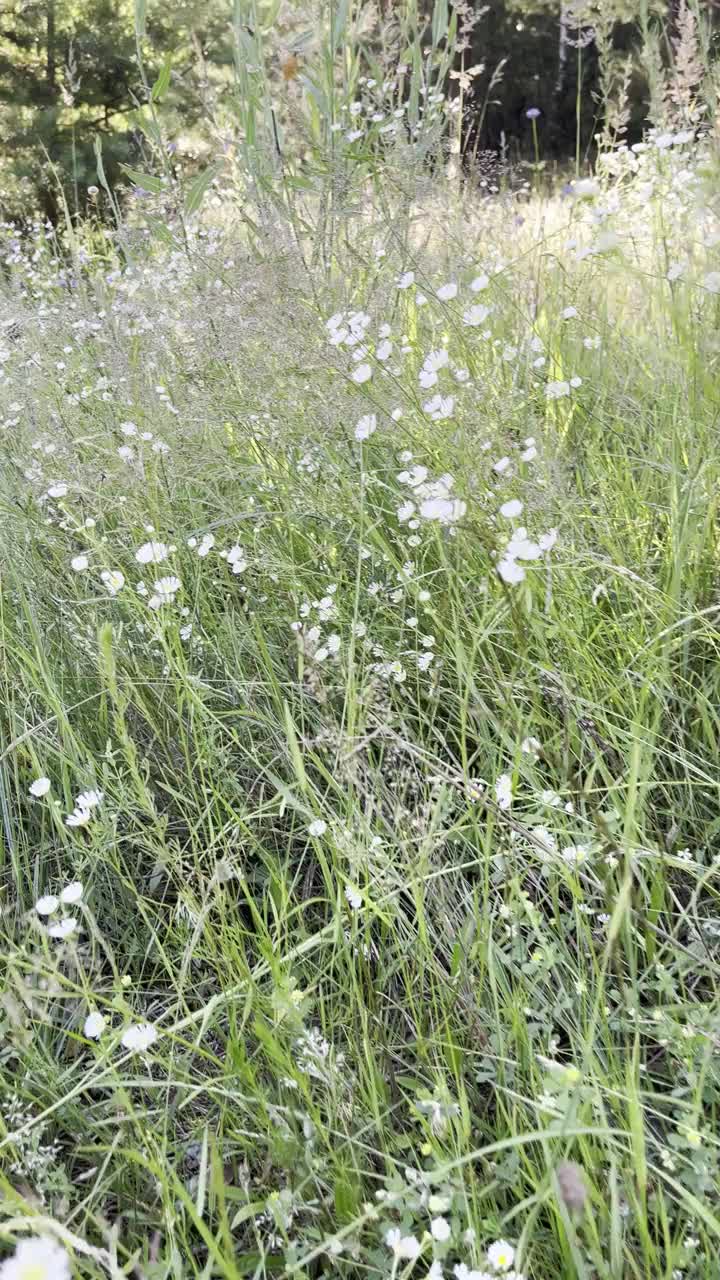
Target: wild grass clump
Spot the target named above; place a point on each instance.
(359, 718)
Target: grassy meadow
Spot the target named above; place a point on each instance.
(360, 710)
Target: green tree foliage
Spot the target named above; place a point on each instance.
(69, 70)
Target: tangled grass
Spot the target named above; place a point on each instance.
(360, 722)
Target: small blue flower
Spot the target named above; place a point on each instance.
(532, 113)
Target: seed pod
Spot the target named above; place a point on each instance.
(290, 66)
(571, 1185)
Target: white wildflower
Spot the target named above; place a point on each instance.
(78, 818)
(503, 791)
(445, 510)
(63, 928)
(94, 1025)
(407, 1247)
(475, 316)
(510, 571)
(501, 1255)
(152, 553)
(37, 1258)
(139, 1037)
(366, 426)
(164, 592)
(72, 892)
(114, 580)
(46, 905)
(236, 559)
(89, 799)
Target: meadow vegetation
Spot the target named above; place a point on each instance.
(361, 697)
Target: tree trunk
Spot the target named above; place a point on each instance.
(50, 42)
(562, 51)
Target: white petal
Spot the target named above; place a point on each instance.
(72, 892)
(45, 906)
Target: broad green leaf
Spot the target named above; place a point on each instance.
(145, 122)
(196, 191)
(162, 83)
(145, 180)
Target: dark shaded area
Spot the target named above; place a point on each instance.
(532, 76)
(543, 60)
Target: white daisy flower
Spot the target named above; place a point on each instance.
(114, 580)
(164, 591)
(152, 553)
(78, 818)
(510, 571)
(47, 904)
(38, 1258)
(501, 1255)
(94, 1025)
(39, 787)
(503, 791)
(475, 316)
(63, 928)
(89, 799)
(72, 892)
(139, 1037)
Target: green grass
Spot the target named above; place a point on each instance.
(421, 1011)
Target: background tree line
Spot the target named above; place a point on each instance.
(69, 72)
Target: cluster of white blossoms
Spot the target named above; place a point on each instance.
(85, 803)
(521, 550)
(136, 1038)
(347, 329)
(430, 500)
(49, 904)
(236, 559)
(407, 1248)
(164, 591)
(557, 390)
